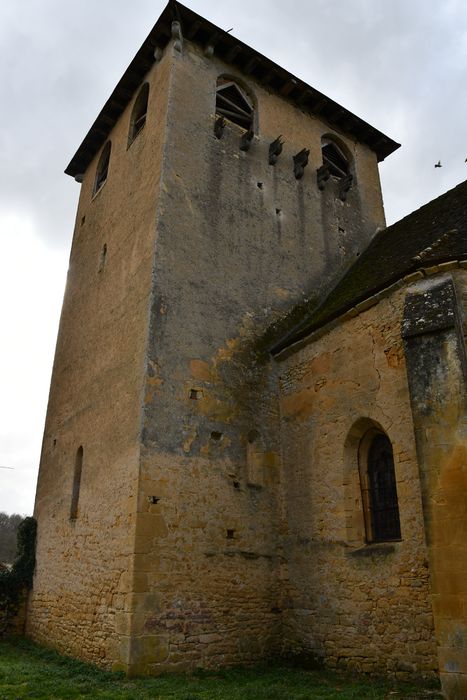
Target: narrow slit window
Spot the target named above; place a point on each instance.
(139, 113)
(102, 168)
(233, 104)
(334, 159)
(76, 484)
(382, 491)
(102, 258)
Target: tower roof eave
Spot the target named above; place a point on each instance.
(235, 52)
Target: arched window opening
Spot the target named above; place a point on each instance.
(233, 104)
(102, 168)
(379, 491)
(334, 159)
(139, 113)
(76, 484)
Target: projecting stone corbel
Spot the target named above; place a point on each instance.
(344, 186)
(275, 149)
(177, 35)
(219, 127)
(210, 46)
(300, 161)
(323, 174)
(245, 141)
(158, 53)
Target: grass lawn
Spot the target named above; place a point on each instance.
(29, 671)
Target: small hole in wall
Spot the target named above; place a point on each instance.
(102, 258)
(341, 230)
(259, 185)
(278, 211)
(252, 436)
(153, 500)
(55, 441)
(230, 534)
(83, 219)
(215, 435)
(236, 485)
(196, 394)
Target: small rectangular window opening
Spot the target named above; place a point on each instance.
(196, 394)
(76, 484)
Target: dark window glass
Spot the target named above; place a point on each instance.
(384, 508)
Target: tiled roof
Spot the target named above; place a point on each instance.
(435, 233)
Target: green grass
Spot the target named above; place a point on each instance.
(29, 671)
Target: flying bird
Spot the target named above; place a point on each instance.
(438, 164)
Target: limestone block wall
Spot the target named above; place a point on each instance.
(81, 599)
(352, 605)
(239, 242)
(435, 351)
(207, 568)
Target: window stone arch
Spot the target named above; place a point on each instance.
(139, 113)
(235, 103)
(359, 522)
(102, 170)
(379, 488)
(337, 165)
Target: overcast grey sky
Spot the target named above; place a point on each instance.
(398, 64)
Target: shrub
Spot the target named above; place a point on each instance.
(14, 583)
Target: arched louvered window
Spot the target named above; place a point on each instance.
(334, 158)
(383, 518)
(233, 104)
(76, 484)
(138, 115)
(102, 168)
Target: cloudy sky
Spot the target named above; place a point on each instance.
(398, 64)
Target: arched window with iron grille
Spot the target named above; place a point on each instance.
(383, 523)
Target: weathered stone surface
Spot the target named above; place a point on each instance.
(436, 361)
(358, 606)
(220, 516)
(84, 572)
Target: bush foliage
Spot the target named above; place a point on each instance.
(16, 581)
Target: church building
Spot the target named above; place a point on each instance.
(256, 437)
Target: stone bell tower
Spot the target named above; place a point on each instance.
(217, 192)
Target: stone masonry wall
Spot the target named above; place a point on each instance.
(437, 370)
(82, 596)
(349, 604)
(239, 242)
